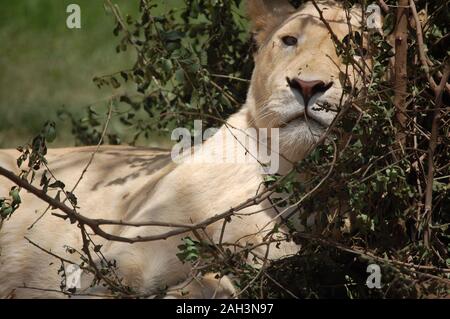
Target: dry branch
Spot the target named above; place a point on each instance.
(431, 151)
(400, 69)
(95, 224)
(421, 46)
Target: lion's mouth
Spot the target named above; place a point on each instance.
(292, 118)
(317, 114)
(305, 118)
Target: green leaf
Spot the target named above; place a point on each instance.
(49, 131)
(57, 184)
(72, 198)
(14, 193)
(97, 248)
(6, 212)
(179, 76)
(166, 65)
(172, 35)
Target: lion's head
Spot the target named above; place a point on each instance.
(297, 83)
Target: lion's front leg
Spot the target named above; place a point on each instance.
(209, 286)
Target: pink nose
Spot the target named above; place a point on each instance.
(308, 88)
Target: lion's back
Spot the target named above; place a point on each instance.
(113, 185)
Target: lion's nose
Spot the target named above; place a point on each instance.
(308, 88)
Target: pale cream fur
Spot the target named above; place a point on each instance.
(138, 184)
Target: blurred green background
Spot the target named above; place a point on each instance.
(44, 66)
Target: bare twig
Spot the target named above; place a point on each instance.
(431, 150)
(383, 6)
(280, 286)
(50, 253)
(67, 293)
(100, 142)
(421, 46)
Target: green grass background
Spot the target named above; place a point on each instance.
(45, 66)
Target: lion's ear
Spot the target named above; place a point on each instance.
(266, 15)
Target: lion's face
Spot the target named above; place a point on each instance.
(297, 84)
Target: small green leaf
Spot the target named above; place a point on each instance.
(14, 193)
(57, 184)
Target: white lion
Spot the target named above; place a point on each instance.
(297, 68)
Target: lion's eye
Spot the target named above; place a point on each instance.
(289, 40)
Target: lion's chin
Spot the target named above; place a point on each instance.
(298, 137)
